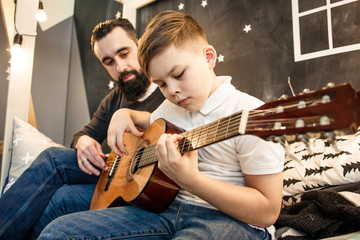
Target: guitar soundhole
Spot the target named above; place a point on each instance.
(136, 160)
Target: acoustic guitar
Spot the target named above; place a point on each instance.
(136, 180)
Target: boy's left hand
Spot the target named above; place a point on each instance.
(182, 169)
(121, 122)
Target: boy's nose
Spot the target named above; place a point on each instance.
(173, 89)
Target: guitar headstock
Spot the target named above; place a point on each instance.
(334, 110)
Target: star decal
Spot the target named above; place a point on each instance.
(111, 84)
(181, 6)
(221, 58)
(118, 14)
(247, 28)
(17, 139)
(27, 158)
(204, 3)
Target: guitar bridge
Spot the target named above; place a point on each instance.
(112, 171)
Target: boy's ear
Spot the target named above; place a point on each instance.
(210, 54)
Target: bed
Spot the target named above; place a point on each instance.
(317, 177)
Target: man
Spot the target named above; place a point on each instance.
(62, 180)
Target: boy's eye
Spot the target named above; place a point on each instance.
(179, 76)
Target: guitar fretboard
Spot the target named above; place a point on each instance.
(213, 132)
(210, 133)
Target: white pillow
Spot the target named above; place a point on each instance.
(27, 144)
(324, 167)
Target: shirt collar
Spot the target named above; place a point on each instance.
(149, 91)
(218, 97)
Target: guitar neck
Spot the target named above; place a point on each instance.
(210, 133)
(213, 132)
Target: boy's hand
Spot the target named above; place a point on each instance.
(89, 152)
(182, 169)
(120, 123)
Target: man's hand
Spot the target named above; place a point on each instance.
(89, 153)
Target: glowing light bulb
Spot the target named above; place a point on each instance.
(15, 49)
(41, 15)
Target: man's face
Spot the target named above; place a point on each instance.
(118, 54)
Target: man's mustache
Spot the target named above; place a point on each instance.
(125, 73)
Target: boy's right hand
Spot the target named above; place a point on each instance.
(121, 122)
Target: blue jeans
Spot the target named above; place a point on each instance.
(52, 186)
(182, 220)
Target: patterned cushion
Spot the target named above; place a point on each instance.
(28, 143)
(304, 171)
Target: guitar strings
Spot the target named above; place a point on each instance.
(149, 158)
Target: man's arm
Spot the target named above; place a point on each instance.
(88, 140)
(99, 123)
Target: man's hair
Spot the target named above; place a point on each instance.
(103, 28)
(167, 28)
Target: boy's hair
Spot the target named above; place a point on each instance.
(103, 28)
(166, 28)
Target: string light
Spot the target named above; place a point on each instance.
(16, 47)
(41, 15)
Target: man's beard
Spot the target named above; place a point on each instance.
(134, 89)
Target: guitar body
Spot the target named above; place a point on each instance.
(148, 187)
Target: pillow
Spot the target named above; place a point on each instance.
(304, 171)
(27, 144)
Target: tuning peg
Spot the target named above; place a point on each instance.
(305, 139)
(306, 90)
(330, 136)
(330, 85)
(284, 96)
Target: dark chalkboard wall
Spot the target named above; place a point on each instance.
(261, 60)
(88, 13)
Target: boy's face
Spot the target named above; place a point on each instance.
(118, 54)
(185, 75)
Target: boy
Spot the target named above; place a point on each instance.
(228, 190)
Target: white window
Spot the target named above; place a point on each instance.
(330, 34)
